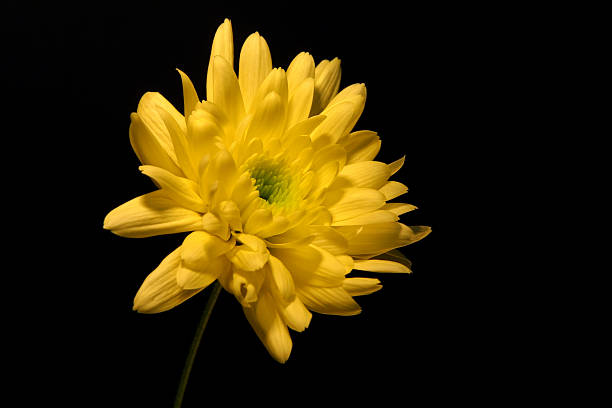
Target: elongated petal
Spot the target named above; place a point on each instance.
(180, 145)
(270, 327)
(223, 45)
(327, 83)
(393, 189)
(276, 82)
(355, 93)
(399, 208)
(227, 93)
(190, 96)
(278, 225)
(182, 190)
(148, 148)
(396, 165)
(347, 93)
(203, 134)
(160, 292)
(300, 102)
(269, 118)
(379, 238)
(379, 265)
(282, 279)
(260, 218)
(348, 203)
(254, 66)
(336, 124)
(361, 286)
(334, 301)
(149, 108)
(299, 69)
(151, 214)
(367, 174)
(305, 127)
(328, 239)
(374, 217)
(395, 256)
(188, 278)
(311, 265)
(361, 146)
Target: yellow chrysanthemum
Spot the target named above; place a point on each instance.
(281, 200)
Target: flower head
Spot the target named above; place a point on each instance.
(280, 198)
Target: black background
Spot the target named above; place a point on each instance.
(432, 74)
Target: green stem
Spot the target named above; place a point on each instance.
(195, 343)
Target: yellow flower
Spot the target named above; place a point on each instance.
(280, 199)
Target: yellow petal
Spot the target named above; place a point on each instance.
(227, 91)
(355, 93)
(366, 174)
(258, 220)
(254, 66)
(361, 146)
(300, 102)
(278, 225)
(200, 247)
(203, 134)
(282, 279)
(270, 328)
(347, 93)
(189, 278)
(305, 127)
(328, 239)
(180, 145)
(379, 238)
(336, 124)
(216, 226)
(151, 214)
(299, 69)
(160, 292)
(399, 208)
(396, 165)
(148, 148)
(327, 154)
(269, 118)
(334, 301)
(190, 96)
(374, 217)
(361, 286)
(296, 315)
(327, 83)
(324, 177)
(251, 255)
(276, 81)
(228, 211)
(149, 108)
(311, 265)
(182, 190)
(223, 45)
(243, 187)
(379, 265)
(350, 202)
(396, 256)
(393, 189)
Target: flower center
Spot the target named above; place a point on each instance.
(273, 180)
